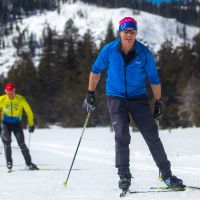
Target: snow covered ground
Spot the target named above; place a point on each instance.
(94, 176)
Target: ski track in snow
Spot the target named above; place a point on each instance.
(94, 176)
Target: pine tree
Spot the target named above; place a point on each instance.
(109, 33)
(70, 83)
(196, 75)
(168, 70)
(46, 70)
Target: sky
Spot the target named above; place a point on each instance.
(159, 1)
(153, 30)
(94, 176)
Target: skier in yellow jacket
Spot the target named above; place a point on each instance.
(12, 106)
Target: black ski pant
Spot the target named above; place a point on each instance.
(141, 114)
(19, 135)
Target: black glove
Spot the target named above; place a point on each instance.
(89, 103)
(158, 110)
(31, 129)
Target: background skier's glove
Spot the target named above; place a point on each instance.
(31, 129)
(158, 110)
(89, 103)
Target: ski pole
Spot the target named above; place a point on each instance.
(1, 146)
(1, 140)
(84, 127)
(159, 172)
(29, 140)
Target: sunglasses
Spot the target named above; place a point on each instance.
(131, 31)
(9, 90)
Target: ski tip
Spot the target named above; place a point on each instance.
(65, 184)
(123, 193)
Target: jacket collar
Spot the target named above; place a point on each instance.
(136, 47)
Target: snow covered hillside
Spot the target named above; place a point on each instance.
(94, 176)
(153, 29)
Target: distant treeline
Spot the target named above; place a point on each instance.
(12, 11)
(57, 86)
(185, 11)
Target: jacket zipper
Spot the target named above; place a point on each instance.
(11, 108)
(125, 67)
(125, 82)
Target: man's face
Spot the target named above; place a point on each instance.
(128, 36)
(10, 93)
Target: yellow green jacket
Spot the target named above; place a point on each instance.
(12, 109)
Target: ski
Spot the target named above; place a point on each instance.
(155, 190)
(168, 188)
(178, 189)
(14, 170)
(10, 170)
(123, 193)
(193, 187)
(43, 169)
(59, 169)
(51, 169)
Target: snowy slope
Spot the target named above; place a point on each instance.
(153, 29)
(94, 176)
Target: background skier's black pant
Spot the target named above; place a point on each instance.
(19, 134)
(142, 116)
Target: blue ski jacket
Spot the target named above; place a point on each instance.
(126, 81)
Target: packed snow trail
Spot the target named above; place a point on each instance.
(94, 176)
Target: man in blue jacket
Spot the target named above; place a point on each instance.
(128, 64)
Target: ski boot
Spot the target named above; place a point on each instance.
(125, 183)
(174, 182)
(9, 165)
(32, 166)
